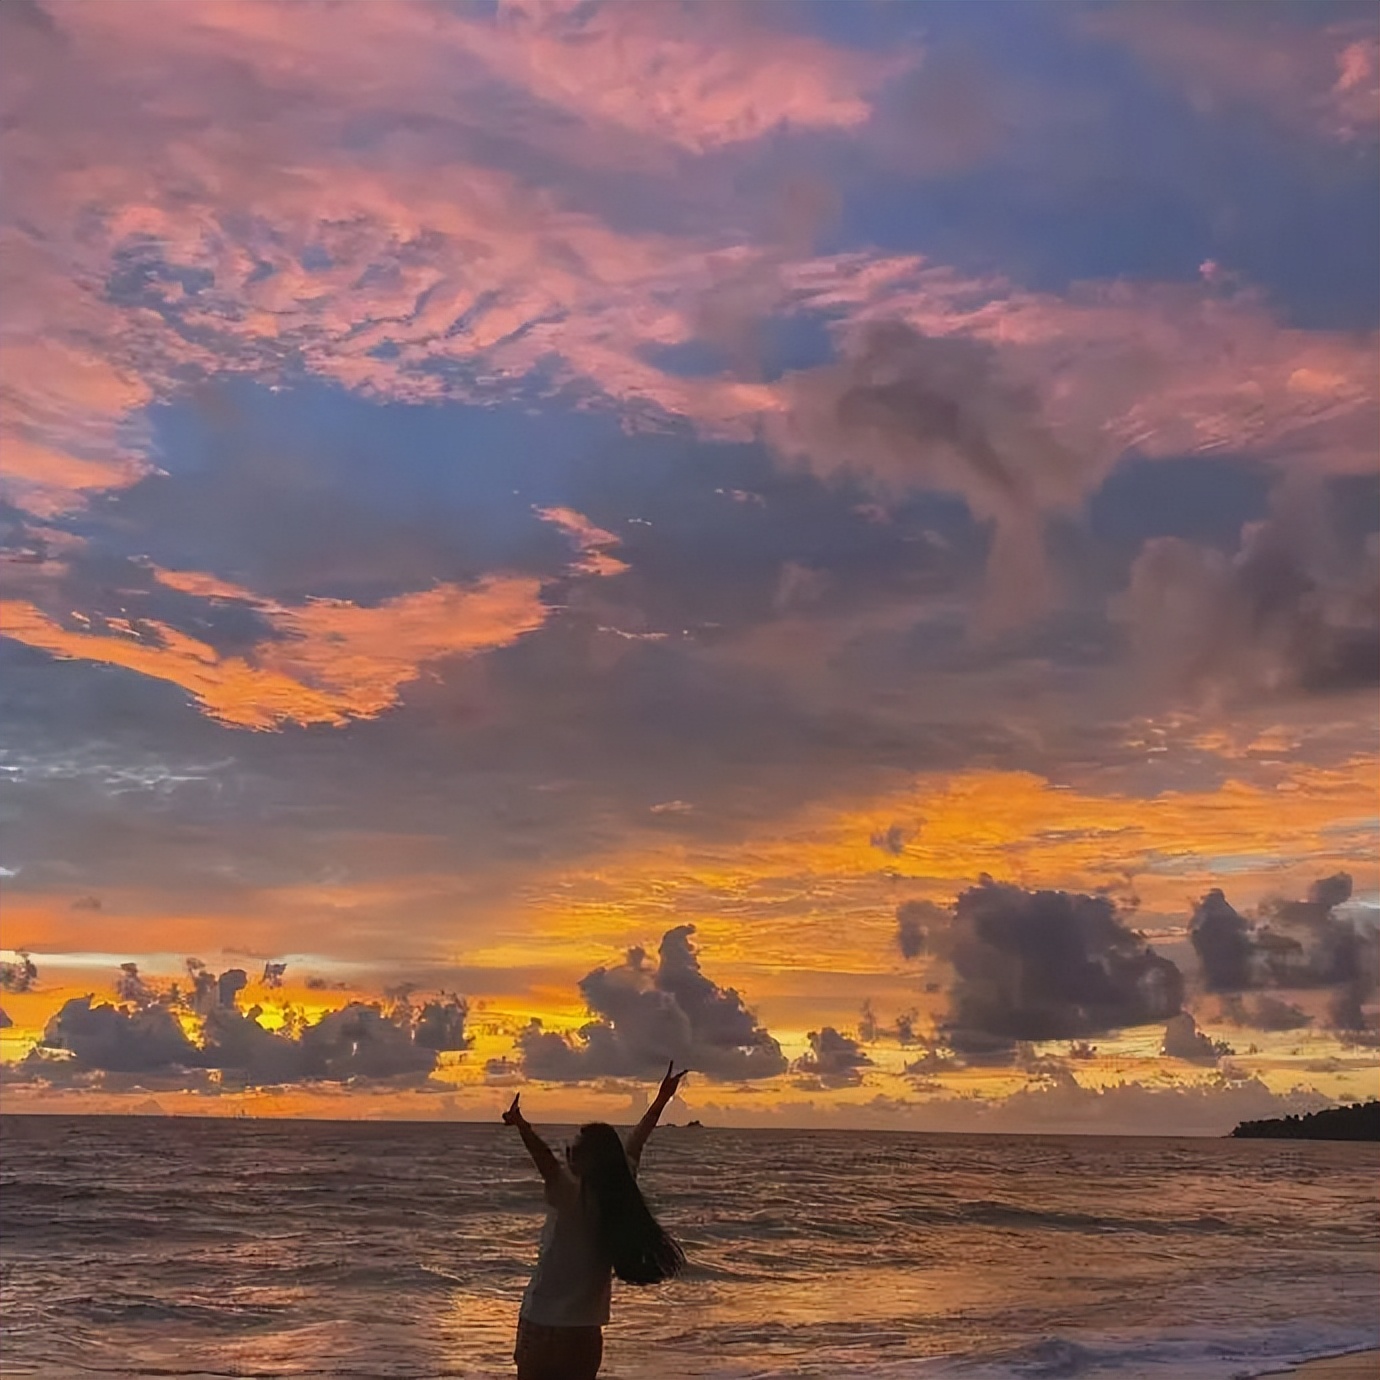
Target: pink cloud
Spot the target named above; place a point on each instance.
(208, 142)
(1159, 368)
(696, 75)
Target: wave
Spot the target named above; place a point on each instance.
(138, 1308)
(997, 1214)
(1180, 1355)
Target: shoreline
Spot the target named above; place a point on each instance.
(1354, 1365)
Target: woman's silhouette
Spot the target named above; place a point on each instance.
(597, 1226)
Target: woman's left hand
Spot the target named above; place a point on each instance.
(513, 1116)
(671, 1083)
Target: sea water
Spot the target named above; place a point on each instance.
(189, 1248)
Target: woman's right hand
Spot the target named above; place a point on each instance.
(513, 1116)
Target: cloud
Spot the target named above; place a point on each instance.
(1128, 1108)
(1047, 965)
(1222, 940)
(440, 1025)
(120, 1040)
(1266, 1012)
(1322, 79)
(353, 223)
(328, 661)
(1294, 945)
(1158, 369)
(18, 976)
(908, 411)
(1290, 611)
(928, 411)
(697, 76)
(835, 1060)
(590, 541)
(645, 1016)
(5, 1021)
(358, 1041)
(1270, 1013)
(162, 1030)
(892, 840)
(914, 922)
(131, 988)
(1183, 1040)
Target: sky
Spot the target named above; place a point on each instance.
(837, 544)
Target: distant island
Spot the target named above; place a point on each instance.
(1360, 1121)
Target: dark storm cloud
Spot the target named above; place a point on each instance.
(1296, 608)
(835, 1060)
(1295, 944)
(1047, 965)
(5, 1021)
(19, 976)
(645, 1015)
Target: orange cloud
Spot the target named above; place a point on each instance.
(331, 661)
(590, 541)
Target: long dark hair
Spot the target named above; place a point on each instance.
(635, 1243)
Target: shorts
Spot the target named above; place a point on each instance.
(557, 1353)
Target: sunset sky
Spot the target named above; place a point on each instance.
(802, 538)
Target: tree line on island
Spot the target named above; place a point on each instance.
(1360, 1121)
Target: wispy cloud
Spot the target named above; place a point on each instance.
(328, 661)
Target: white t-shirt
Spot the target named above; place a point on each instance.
(572, 1285)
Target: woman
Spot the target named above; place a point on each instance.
(597, 1226)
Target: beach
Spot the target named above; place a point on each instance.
(1361, 1365)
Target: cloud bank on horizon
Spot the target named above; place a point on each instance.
(484, 490)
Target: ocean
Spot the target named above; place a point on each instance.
(195, 1248)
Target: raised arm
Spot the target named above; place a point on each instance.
(547, 1163)
(644, 1128)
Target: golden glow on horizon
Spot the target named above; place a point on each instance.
(821, 894)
